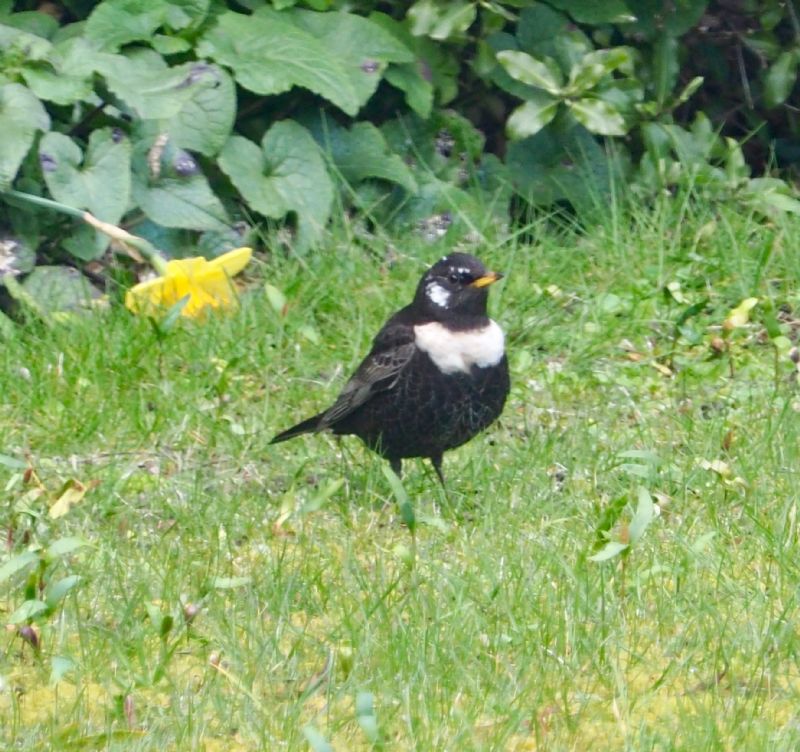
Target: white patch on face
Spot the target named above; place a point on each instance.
(454, 352)
(437, 294)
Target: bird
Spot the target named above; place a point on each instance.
(435, 376)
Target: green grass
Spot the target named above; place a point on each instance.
(491, 629)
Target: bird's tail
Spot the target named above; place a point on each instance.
(307, 426)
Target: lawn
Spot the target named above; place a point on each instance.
(613, 567)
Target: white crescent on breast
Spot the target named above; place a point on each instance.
(454, 352)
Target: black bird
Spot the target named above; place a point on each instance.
(435, 377)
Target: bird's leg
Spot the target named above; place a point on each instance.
(397, 466)
(436, 461)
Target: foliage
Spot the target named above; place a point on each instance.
(190, 123)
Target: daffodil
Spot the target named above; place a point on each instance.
(207, 284)
(203, 284)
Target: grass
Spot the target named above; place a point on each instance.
(204, 590)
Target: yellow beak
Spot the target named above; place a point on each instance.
(487, 279)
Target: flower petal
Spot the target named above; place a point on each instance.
(233, 261)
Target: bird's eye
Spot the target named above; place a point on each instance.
(460, 277)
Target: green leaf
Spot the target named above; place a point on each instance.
(12, 462)
(56, 592)
(21, 117)
(362, 152)
(527, 69)
(595, 13)
(204, 119)
(153, 90)
(597, 65)
(317, 501)
(365, 715)
(277, 300)
(59, 288)
(230, 583)
(269, 54)
(18, 563)
(411, 81)
(416, 78)
(66, 77)
(363, 48)
(609, 551)
(556, 165)
(59, 667)
(114, 23)
(286, 174)
(598, 116)
(441, 20)
(99, 182)
(180, 201)
(27, 611)
(644, 515)
(533, 115)
(64, 546)
(316, 740)
(666, 66)
(402, 499)
(780, 79)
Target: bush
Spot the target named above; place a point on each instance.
(189, 122)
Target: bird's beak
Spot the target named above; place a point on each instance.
(487, 279)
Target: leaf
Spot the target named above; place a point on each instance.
(99, 181)
(595, 13)
(362, 152)
(441, 20)
(71, 494)
(561, 166)
(173, 200)
(527, 69)
(609, 551)
(56, 592)
(598, 116)
(316, 740)
(64, 546)
(21, 117)
(152, 89)
(12, 462)
(365, 715)
(17, 564)
(66, 77)
(59, 288)
(230, 583)
(269, 54)
(597, 65)
(286, 174)
(644, 515)
(59, 667)
(363, 48)
(27, 611)
(739, 316)
(317, 501)
(410, 80)
(205, 118)
(402, 499)
(114, 23)
(780, 79)
(531, 116)
(277, 300)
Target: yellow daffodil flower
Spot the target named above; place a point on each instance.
(207, 283)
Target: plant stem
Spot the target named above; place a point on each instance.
(136, 246)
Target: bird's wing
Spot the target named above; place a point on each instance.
(391, 352)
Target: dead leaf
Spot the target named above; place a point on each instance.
(70, 494)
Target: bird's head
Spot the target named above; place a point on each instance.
(455, 286)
